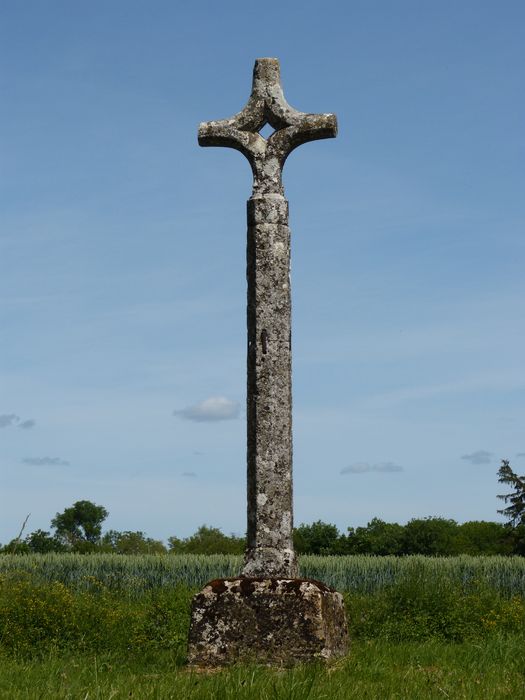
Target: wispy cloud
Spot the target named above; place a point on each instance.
(189, 475)
(27, 424)
(11, 420)
(365, 467)
(479, 457)
(8, 419)
(46, 462)
(520, 454)
(215, 408)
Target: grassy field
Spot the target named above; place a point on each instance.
(375, 670)
(110, 626)
(133, 575)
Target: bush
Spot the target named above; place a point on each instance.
(37, 617)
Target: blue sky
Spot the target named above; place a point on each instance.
(122, 259)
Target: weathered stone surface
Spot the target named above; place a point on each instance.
(268, 615)
(266, 620)
(269, 393)
(269, 404)
(267, 105)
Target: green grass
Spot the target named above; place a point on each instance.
(374, 670)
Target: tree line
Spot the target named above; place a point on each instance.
(79, 529)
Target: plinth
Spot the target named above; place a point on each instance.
(272, 621)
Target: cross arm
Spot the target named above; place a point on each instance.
(304, 128)
(227, 132)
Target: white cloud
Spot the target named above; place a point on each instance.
(364, 467)
(189, 475)
(479, 457)
(213, 409)
(46, 462)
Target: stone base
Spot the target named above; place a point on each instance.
(266, 620)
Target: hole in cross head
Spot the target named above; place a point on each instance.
(266, 131)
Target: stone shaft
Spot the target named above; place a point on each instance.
(269, 391)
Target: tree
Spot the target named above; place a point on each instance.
(129, 542)
(378, 537)
(515, 512)
(16, 546)
(317, 538)
(80, 525)
(40, 541)
(207, 540)
(431, 536)
(478, 537)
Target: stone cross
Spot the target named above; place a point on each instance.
(267, 614)
(270, 551)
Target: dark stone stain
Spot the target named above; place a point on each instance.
(245, 584)
(264, 340)
(217, 585)
(293, 586)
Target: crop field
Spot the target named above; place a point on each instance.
(133, 575)
(114, 626)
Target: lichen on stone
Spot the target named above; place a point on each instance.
(266, 620)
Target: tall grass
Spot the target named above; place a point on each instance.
(134, 575)
(368, 574)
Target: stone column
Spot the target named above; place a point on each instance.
(269, 392)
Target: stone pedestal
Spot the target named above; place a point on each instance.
(266, 620)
